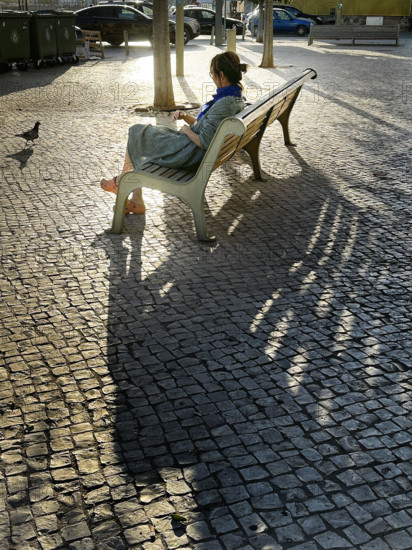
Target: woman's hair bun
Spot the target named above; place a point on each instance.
(228, 63)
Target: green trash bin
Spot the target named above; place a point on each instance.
(14, 38)
(43, 42)
(66, 36)
(65, 33)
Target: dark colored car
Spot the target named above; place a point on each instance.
(206, 19)
(297, 13)
(283, 22)
(191, 27)
(112, 19)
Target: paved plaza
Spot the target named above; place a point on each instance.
(255, 394)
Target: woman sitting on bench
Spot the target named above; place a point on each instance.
(184, 148)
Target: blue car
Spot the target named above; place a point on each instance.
(283, 22)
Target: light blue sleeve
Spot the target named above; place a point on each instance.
(209, 123)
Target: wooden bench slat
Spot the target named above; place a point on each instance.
(276, 112)
(247, 138)
(285, 105)
(254, 127)
(252, 130)
(229, 142)
(184, 175)
(151, 168)
(229, 146)
(225, 156)
(227, 149)
(255, 122)
(221, 161)
(177, 174)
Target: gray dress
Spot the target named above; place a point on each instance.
(167, 147)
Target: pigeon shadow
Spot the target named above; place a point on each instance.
(22, 156)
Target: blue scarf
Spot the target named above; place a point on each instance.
(232, 89)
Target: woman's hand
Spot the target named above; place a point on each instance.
(178, 115)
(190, 134)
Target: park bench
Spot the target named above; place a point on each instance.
(243, 131)
(354, 32)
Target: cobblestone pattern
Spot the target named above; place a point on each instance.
(260, 388)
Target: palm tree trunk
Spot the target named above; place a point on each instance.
(163, 86)
(267, 59)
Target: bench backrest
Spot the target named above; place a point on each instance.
(236, 132)
(354, 32)
(390, 31)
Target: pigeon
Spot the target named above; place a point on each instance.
(30, 135)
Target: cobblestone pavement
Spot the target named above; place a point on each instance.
(259, 388)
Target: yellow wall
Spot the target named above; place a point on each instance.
(355, 7)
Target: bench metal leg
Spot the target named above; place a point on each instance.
(119, 210)
(200, 221)
(284, 118)
(253, 149)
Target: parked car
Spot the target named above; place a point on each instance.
(206, 19)
(297, 13)
(283, 22)
(191, 27)
(112, 19)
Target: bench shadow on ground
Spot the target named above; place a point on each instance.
(209, 344)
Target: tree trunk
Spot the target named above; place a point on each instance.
(163, 86)
(267, 59)
(259, 35)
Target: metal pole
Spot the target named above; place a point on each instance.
(212, 36)
(218, 24)
(179, 38)
(224, 20)
(339, 14)
(126, 42)
(231, 40)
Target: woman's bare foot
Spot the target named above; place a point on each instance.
(136, 204)
(109, 185)
(132, 208)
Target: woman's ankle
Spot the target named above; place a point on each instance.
(137, 203)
